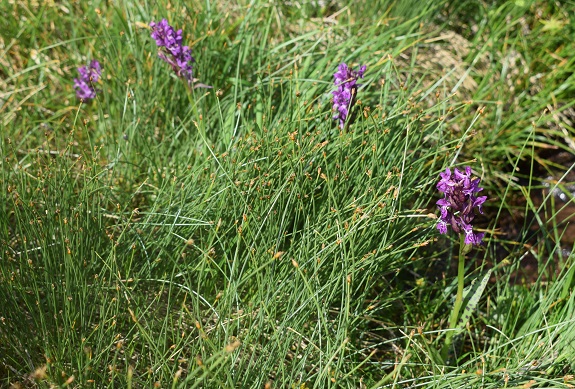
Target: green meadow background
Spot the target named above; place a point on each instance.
(236, 237)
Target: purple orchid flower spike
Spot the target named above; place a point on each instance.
(172, 51)
(458, 204)
(89, 76)
(344, 95)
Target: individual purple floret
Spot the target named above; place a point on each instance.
(344, 96)
(89, 76)
(456, 208)
(172, 51)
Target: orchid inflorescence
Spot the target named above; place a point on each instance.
(172, 50)
(458, 204)
(89, 76)
(344, 95)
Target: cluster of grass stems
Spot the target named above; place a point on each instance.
(236, 237)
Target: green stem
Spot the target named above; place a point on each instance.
(458, 297)
(460, 274)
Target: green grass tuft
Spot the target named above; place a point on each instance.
(236, 237)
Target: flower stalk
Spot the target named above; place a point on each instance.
(459, 295)
(457, 210)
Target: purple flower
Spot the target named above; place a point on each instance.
(171, 49)
(344, 95)
(457, 206)
(89, 76)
